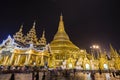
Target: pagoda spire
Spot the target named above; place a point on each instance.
(21, 27)
(34, 23)
(19, 35)
(31, 37)
(43, 35)
(61, 17)
(61, 34)
(112, 52)
(61, 24)
(42, 40)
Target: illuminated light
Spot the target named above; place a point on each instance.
(81, 50)
(70, 65)
(16, 51)
(105, 66)
(30, 51)
(64, 63)
(87, 67)
(91, 47)
(95, 47)
(34, 63)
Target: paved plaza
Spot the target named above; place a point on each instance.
(60, 75)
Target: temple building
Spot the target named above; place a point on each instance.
(24, 50)
(30, 50)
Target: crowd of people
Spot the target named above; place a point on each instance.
(9, 69)
(53, 72)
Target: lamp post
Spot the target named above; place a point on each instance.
(95, 50)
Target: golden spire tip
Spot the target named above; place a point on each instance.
(21, 27)
(61, 17)
(43, 35)
(34, 23)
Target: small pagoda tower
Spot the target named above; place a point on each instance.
(31, 37)
(42, 40)
(18, 37)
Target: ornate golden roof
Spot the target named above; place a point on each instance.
(42, 40)
(19, 35)
(61, 41)
(31, 37)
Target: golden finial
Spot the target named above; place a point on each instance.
(21, 28)
(61, 24)
(34, 23)
(61, 17)
(42, 40)
(19, 35)
(112, 51)
(43, 35)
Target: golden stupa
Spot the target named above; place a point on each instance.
(62, 48)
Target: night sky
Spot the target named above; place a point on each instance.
(86, 21)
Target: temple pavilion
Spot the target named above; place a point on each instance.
(29, 50)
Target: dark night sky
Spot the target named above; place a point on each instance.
(86, 21)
